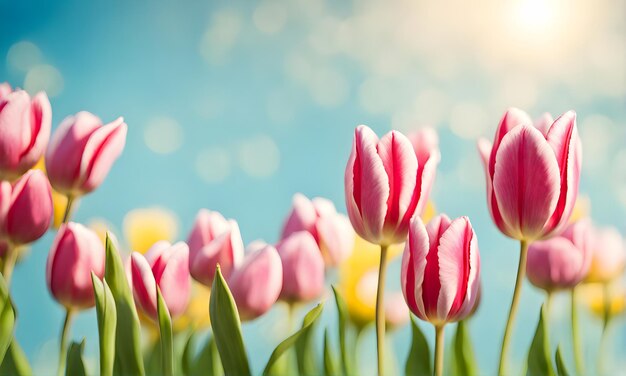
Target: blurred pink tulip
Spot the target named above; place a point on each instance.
(608, 258)
(257, 283)
(76, 252)
(303, 268)
(82, 151)
(164, 266)
(332, 231)
(386, 183)
(396, 311)
(440, 272)
(24, 131)
(25, 208)
(563, 261)
(213, 240)
(532, 174)
(5, 89)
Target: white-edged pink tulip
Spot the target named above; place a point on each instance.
(332, 231)
(25, 208)
(386, 184)
(212, 241)
(532, 174)
(75, 253)
(257, 283)
(164, 266)
(440, 272)
(608, 259)
(24, 130)
(82, 152)
(303, 268)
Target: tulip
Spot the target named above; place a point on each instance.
(332, 231)
(24, 131)
(440, 273)
(212, 241)
(532, 173)
(164, 266)
(82, 151)
(387, 182)
(608, 257)
(303, 268)
(5, 89)
(396, 311)
(257, 283)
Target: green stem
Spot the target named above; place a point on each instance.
(578, 359)
(10, 258)
(380, 310)
(68, 209)
(439, 350)
(549, 297)
(506, 340)
(63, 342)
(602, 350)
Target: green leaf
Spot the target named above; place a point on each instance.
(285, 345)
(128, 360)
(464, 359)
(207, 361)
(15, 362)
(165, 330)
(107, 322)
(418, 360)
(75, 365)
(560, 364)
(227, 328)
(539, 359)
(7, 318)
(305, 354)
(330, 363)
(187, 357)
(342, 317)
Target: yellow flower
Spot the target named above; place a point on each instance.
(144, 227)
(593, 297)
(59, 201)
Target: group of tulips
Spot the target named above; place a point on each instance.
(532, 173)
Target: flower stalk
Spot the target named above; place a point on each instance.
(380, 310)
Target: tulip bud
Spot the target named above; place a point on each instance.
(332, 231)
(24, 131)
(82, 152)
(385, 185)
(440, 272)
(214, 240)
(256, 284)
(556, 264)
(303, 268)
(5, 89)
(25, 208)
(75, 253)
(608, 258)
(532, 174)
(164, 266)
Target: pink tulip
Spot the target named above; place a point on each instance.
(213, 240)
(563, 261)
(75, 253)
(440, 272)
(532, 174)
(608, 258)
(164, 266)
(5, 89)
(303, 268)
(386, 184)
(25, 208)
(396, 311)
(82, 152)
(24, 131)
(256, 284)
(332, 231)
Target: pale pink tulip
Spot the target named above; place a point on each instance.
(164, 266)
(212, 241)
(440, 272)
(532, 174)
(82, 152)
(76, 252)
(303, 268)
(5, 89)
(24, 131)
(25, 208)
(332, 231)
(396, 311)
(257, 283)
(608, 258)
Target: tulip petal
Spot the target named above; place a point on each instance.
(303, 267)
(301, 218)
(15, 132)
(544, 123)
(174, 280)
(31, 208)
(225, 250)
(426, 145)
(102, 149)
(207, 226)
(336, 238)
(511, 119)
(413, 266)
(526, 182)
(432, 285)
(144, 285)
(40, 122)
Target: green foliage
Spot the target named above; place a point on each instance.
(330, 363)
(128, 360)
(75, 364)
(539, 359)
(463, 357)
(107, 322)
(342, 312)
(418, 360)
(165, 337)
(285, 345)
(15, 362)
(560, 364)
(7, 318)
(227, 328)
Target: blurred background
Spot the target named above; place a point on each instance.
(236, 106)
